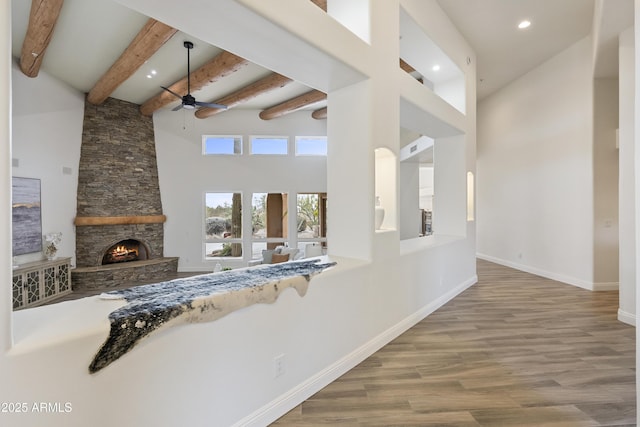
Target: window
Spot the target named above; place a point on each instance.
(223, 225)
(311, 145)
(221, 145)
(311, 220)
(270, 145)
(268, 221)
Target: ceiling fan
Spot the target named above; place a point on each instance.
(188, 101)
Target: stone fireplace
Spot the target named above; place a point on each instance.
(119, 220)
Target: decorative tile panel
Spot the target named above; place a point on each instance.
(49, 281)
(32, 286)
(18, 294)
(64, 284)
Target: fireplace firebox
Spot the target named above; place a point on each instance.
(125, 251)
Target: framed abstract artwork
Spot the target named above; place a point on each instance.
(26, 216)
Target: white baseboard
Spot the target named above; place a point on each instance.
(628, 318)
(591, 286)
(281, 405)
(606, 286)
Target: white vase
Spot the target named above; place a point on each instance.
(379, 213)
(50, 251)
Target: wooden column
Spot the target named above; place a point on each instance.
(236, 224)
(274, 217)
(285, 217)
(322, 214)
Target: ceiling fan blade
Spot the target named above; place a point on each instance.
(211, 105)
(177, 108)
(171, 92)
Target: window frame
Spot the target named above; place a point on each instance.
(221, 240)
(317, 137)
(286, 139)
(237, 142)
(322, 218)
(273, 241)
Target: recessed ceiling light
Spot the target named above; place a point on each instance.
(436, 68)
(154, 72)
(149, 76)
(524, 24)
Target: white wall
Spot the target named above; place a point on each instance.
(453, 91)
(535, 172)
(49, 151)
(353, 14)
(426, 187)
(450, 186)
(627, 189)
(222, 372)
(410, 219)
(186, 175)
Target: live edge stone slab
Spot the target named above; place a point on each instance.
(197, 299)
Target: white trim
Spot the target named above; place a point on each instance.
(628, 318)
(284, 138)
(606, 286)
(299, 137)
(237, 139)
(289, 400)
(590, 286)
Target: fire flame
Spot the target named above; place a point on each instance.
(123, 250)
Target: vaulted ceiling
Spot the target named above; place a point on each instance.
(77, 42)
(505, 52)
(103, 48)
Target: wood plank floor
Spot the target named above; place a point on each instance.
(513, 350)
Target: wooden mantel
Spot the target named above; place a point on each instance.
(119, 220)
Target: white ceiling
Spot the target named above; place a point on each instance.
(504, 52)
(91, 34)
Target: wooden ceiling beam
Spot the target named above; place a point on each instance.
(406, 67)
(264, 85)
(409, 69)
(151, 37)
(322, 4)
(42, 21)
(293, 104)
(220, 66)
(320, 114)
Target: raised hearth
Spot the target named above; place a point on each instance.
(109, 276)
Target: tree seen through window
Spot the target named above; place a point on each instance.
(223, 224)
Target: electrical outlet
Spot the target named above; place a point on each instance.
(278, 365)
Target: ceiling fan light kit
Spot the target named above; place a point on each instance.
(188, 101)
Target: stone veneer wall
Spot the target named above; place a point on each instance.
(117, 176)
(93, 240)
